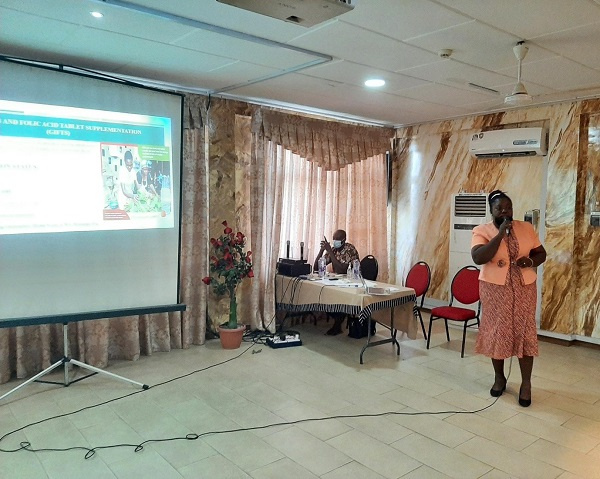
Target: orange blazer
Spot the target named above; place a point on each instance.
(495, 270)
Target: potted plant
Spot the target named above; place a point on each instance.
(229, 265)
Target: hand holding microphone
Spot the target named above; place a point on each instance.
(506, 226)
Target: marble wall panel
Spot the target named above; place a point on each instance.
(558, 305)
(430, 167)
(431, 162)
(587, 240)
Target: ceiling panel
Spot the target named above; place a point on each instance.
(125, 49)
(72, 14)
(22, 29)
(560, 73)
(398, 40)
(368, 48)
(568, 44)
(403, 19)
(531, 18)
(455, 73)
(355, 74)
(444, 95)
(480, 45)
(279, 57)
(235, 73)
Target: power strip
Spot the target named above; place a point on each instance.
(284, 340)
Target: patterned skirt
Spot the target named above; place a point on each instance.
(507, 327)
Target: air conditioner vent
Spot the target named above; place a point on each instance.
(471, 206)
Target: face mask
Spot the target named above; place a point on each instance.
(337, 244)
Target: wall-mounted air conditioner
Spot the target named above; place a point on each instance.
(510, 142)
(301, 12)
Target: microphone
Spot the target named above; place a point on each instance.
(287, 253)
(301, 250)
(508, 218)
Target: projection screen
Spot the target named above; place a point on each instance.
(90, 176)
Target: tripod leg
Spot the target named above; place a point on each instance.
(34, 378)
(101, 371)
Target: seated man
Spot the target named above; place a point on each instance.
(339, 256)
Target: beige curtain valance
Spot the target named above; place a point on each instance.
(330, 144)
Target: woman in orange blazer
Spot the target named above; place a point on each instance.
(508, 251)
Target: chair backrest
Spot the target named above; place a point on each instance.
(369, 267)
(419, 278)
(465, 285)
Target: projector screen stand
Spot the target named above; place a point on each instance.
(65, 361)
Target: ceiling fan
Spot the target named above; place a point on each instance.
(519, 95)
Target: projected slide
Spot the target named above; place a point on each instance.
(74, 169)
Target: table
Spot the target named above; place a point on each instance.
(335, 294)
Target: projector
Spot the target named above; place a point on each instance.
(301, 12)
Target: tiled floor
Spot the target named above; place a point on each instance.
(557, 437)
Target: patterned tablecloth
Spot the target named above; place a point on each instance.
(393, 309)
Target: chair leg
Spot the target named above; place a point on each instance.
(429, 335)
(418, 314)
(447, 332)
(462, 351)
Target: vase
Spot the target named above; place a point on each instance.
(231, 338)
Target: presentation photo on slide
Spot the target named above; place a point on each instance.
(75, 169)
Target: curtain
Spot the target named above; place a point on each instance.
(332, 145)
(317, 202)
(265, 219)
(27, 350)
(329, 148)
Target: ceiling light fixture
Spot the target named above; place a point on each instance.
(96, 14)
(375, 83)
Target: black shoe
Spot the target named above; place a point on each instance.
(524, 402)
(497, 392)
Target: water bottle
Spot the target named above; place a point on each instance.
(350, 273)
(322, 266)
(356, 269)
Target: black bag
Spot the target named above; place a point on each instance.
(359, 329)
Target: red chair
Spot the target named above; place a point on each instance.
(419, 278)
(465, 288)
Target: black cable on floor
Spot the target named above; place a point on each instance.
(109, 401)
(90, 452)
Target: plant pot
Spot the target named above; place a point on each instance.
(231, 338)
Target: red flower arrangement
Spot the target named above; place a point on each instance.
(229, 265)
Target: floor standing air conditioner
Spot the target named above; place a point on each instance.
(467, 211)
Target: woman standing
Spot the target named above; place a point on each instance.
(508, 252)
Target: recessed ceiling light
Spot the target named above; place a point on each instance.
(96, 14)
(375, 82)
